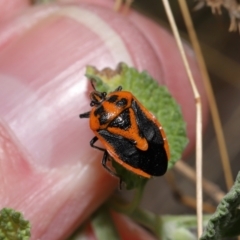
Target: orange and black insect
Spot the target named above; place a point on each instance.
(130, 134)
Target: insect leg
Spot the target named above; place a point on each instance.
(94, 146)
(105, 159)
(85, 115)
(104, 163)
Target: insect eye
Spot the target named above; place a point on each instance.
(92, 103)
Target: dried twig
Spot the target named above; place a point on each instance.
(211, 99)
(198, 116)
(119, 3)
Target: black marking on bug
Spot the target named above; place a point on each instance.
(122, 102)
(103, 115)
(154, 160)
(122, 121)
(142, 122)
(113, 98)
(104, 118)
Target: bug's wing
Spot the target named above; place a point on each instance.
(147, 127)
(152, 161)
(150, 130)
(120, 146)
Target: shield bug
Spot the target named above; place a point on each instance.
(130, 134)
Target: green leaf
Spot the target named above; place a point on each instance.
(169, 227)
(155, 98)
(13, 226)
(180, 227)
(131, 179)
(225, 221)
